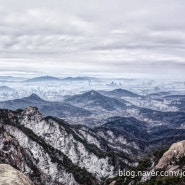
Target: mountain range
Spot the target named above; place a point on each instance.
(94, 99)
(56, 79)
(88, 136)
(50, 151)
(58, 109)
(79, 78)
(43, 79)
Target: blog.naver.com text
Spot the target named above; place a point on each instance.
(153, 173)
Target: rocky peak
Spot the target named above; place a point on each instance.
(32, 113)
(33, 97)
(7, 113)
(171, 158)
(92, 94)
(10, 176)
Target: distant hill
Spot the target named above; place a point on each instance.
(58, 109)
(5, 88)
(11, 78)
(119, 93)
(79, 78)
(158, 94)
(178, 101)
(174, 97)
(43, 79)
(175, 119)
(94, 99)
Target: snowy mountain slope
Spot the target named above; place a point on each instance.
(12, 152)
(137, 137)
(124, 134)
(55, 150)
(51, 152)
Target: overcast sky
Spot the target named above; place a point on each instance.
(81, 37)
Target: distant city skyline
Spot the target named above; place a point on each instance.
(123, 38)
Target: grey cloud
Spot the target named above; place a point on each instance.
(92, 35)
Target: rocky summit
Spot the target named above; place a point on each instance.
(11, 176)
(171, 159)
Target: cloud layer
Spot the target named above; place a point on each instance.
(120, 36)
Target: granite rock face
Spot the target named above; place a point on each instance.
(171, 159)
(11, 176)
